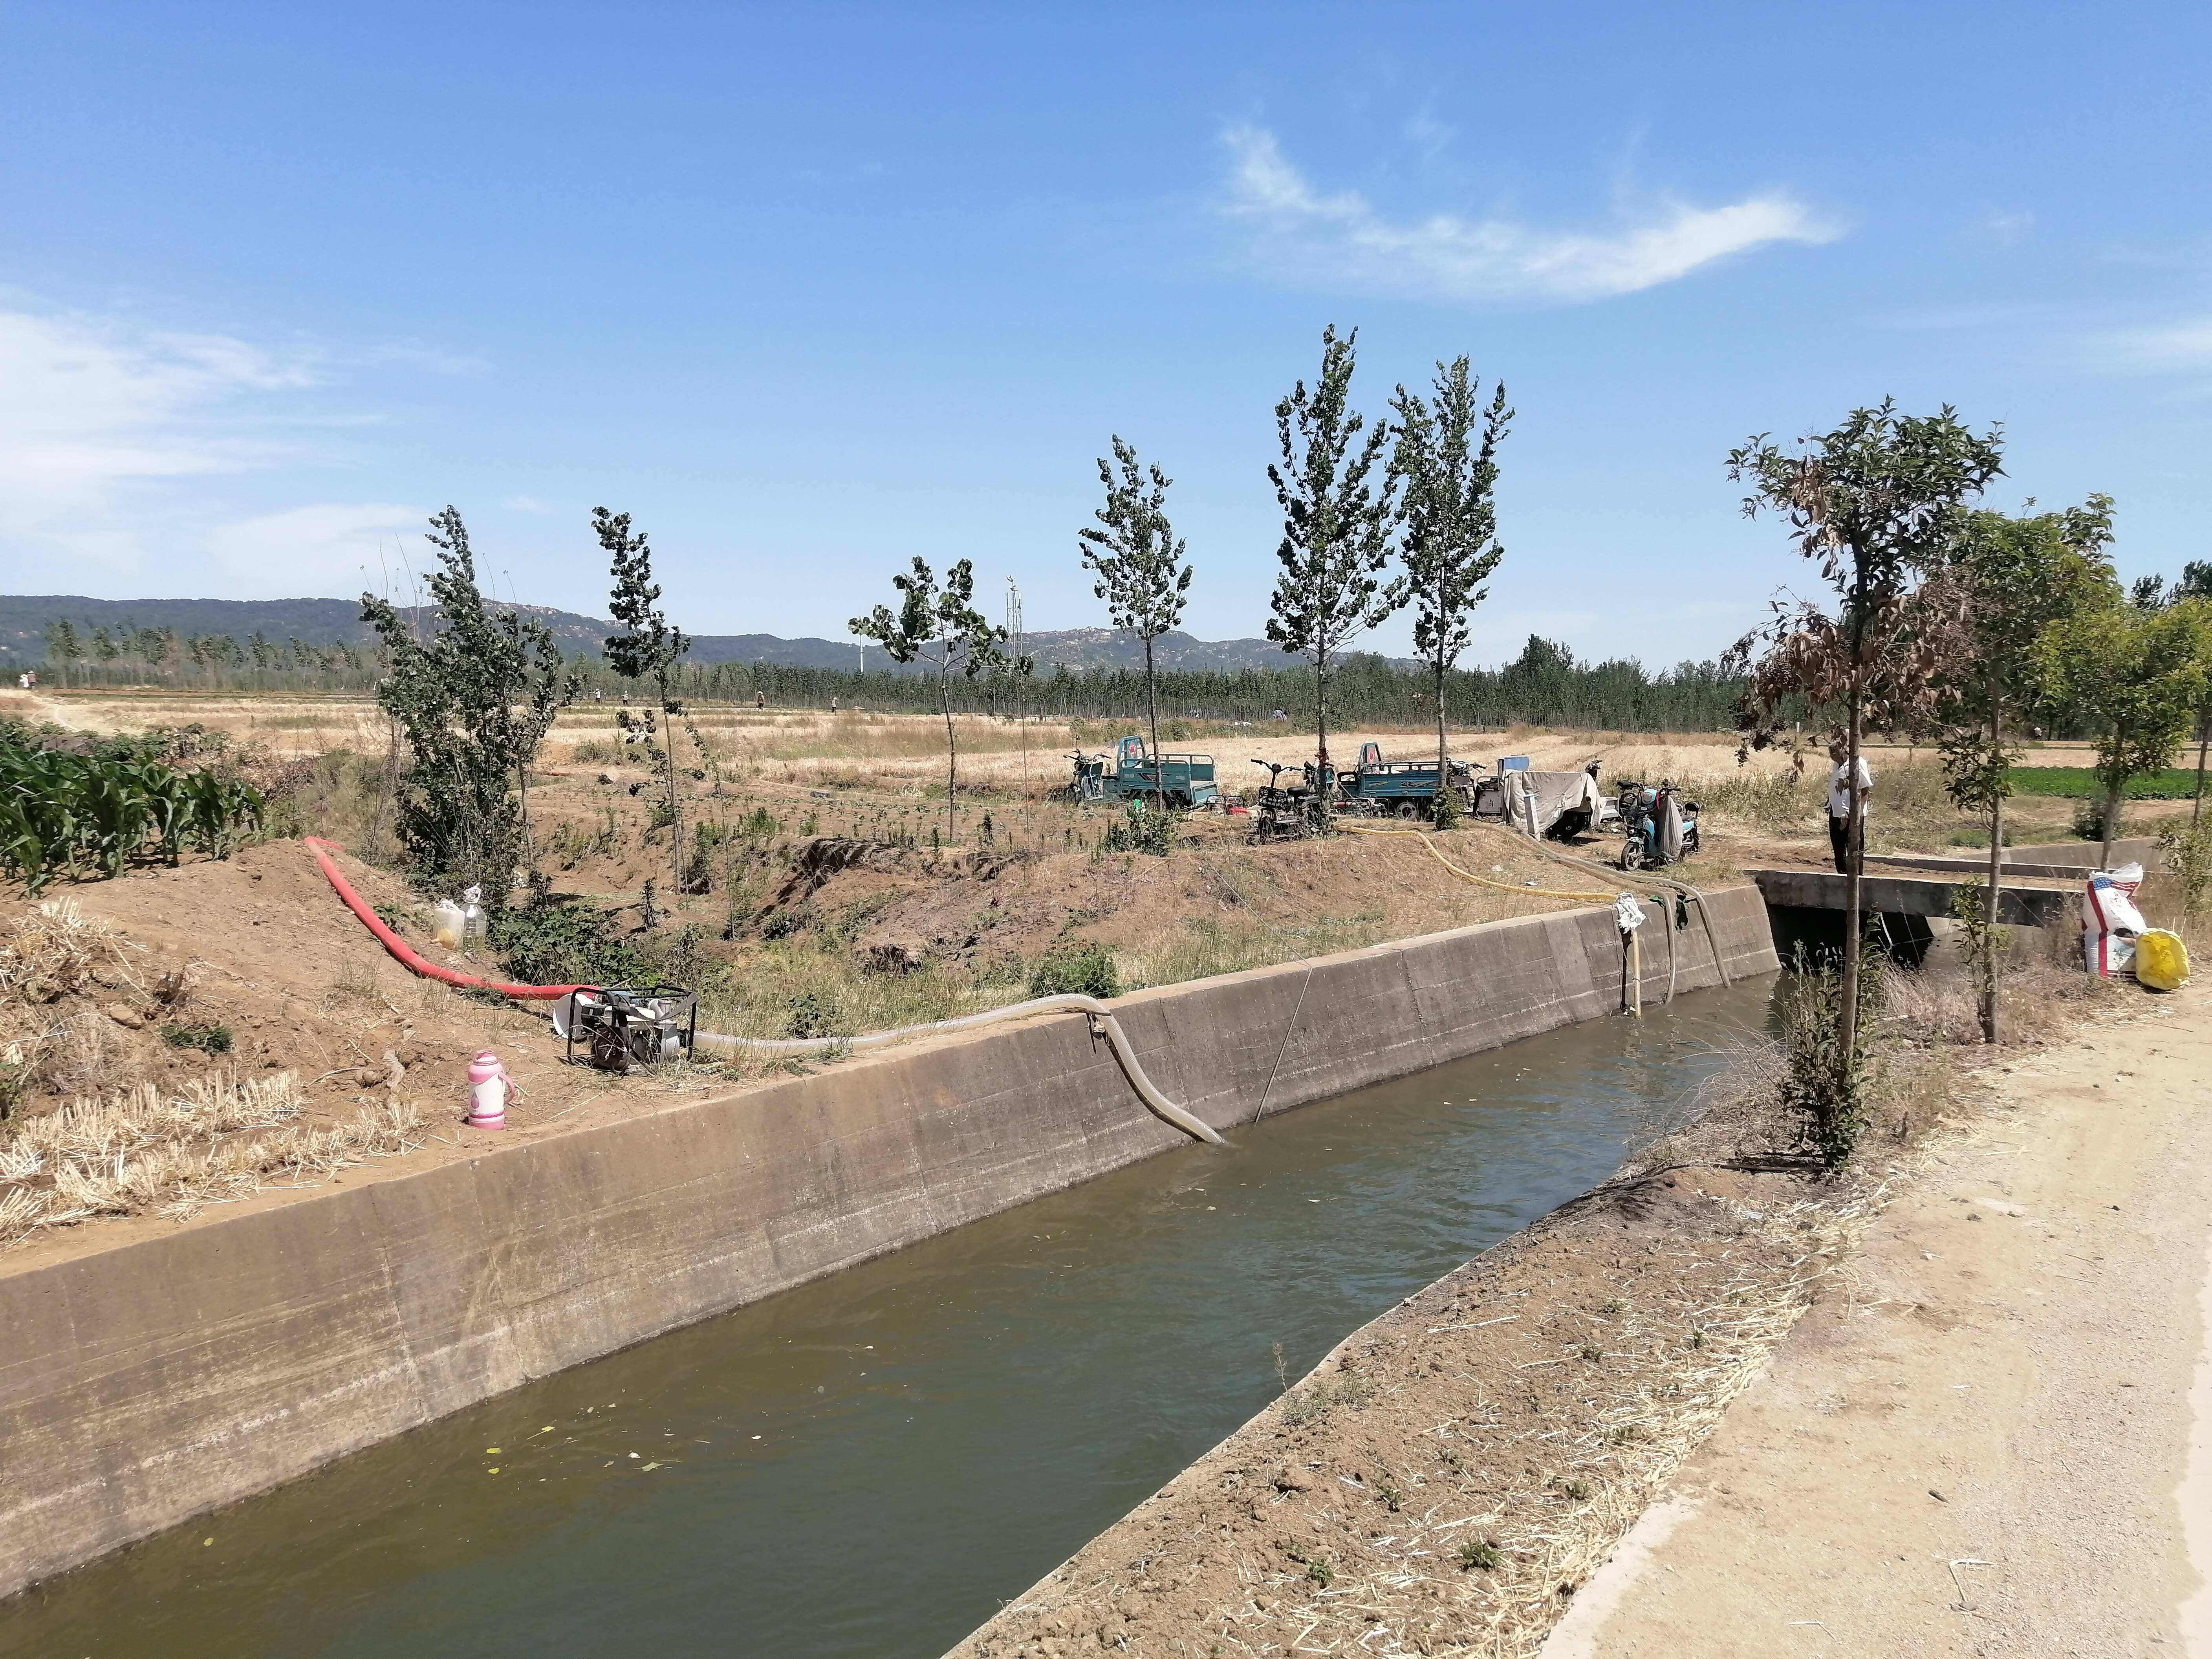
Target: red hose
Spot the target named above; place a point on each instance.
(404, 952)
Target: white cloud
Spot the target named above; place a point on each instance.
(2003, 229)
(105, 423)
(327, 547)
(1341, 239)
(2179, 347)
(86, 408)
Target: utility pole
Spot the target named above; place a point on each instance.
(1014, 640)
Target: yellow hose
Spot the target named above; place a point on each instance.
(1469, 875)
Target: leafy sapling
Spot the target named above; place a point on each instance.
(1137, 560)
(1339, 512)
(651, 648)
(1451, 546)
(942, 629)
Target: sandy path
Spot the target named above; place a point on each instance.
(2023, 1335)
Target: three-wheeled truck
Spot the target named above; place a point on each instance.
(1406, 789)
(1187, 781)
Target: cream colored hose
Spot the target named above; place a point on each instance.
(1068, 1002)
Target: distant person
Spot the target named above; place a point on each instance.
(833, 705)
(760, 699)
(1841, 802)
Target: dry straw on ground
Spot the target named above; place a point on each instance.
(140, 1152)
(55, 948)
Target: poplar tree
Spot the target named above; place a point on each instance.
(1339, 514)
(651, 648)
(1137, 560)
(942, 629)
(1451, 544)
(474, 701)
(63, 646)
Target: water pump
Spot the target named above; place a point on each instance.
(620, 1026)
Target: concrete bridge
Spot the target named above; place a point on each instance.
(1806, 907)
(2023, 903)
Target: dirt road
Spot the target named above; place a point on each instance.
(1990, 1442)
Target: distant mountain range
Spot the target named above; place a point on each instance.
(24, 620)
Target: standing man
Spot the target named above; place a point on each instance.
(1846, 802)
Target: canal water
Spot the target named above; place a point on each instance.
(870, 1465)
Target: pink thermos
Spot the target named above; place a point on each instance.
(487, 1088)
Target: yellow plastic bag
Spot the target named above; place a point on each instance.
(2162, 961)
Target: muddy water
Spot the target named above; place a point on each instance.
(869, 1465)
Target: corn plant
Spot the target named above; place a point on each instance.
(87, 815)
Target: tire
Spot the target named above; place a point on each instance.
(1409, 810)
(1632, 855)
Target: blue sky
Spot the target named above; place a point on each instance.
(811, 289)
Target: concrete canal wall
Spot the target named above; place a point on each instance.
(145, 1383)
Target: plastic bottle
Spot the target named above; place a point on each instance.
(487, 1092)
(472, 919)
(447, 922)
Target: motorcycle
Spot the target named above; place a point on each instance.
(1659, 827)
(1284, 811)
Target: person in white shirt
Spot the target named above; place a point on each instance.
(1840, 803)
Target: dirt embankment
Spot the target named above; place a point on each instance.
(1450, 1477)
(258, 949)
(1991, 1445)
(1212, 905)
(1454, 1468)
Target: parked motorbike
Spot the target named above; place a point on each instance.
(1282, 812)
(1658, 825)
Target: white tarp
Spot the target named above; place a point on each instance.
(1536, 801)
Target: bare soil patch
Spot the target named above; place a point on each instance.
(1985, 1446)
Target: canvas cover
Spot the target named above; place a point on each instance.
(1537, 801)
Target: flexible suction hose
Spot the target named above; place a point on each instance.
(1704, 915)
(1069, 1002)
(1161, 1105)
(406, 953)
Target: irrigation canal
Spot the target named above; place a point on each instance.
(869, 1465)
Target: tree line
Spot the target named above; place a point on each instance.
(126, 654)
(1545, 685)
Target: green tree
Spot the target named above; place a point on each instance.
(649, 648)
(1137, 560)
(2014, 579)
(2194, 590)
(468, 701)
(1451, 544)
(545, 688)
(63, 646)
(1338, 519)
(941, 628)
(2135, 677)
(1876, 504)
